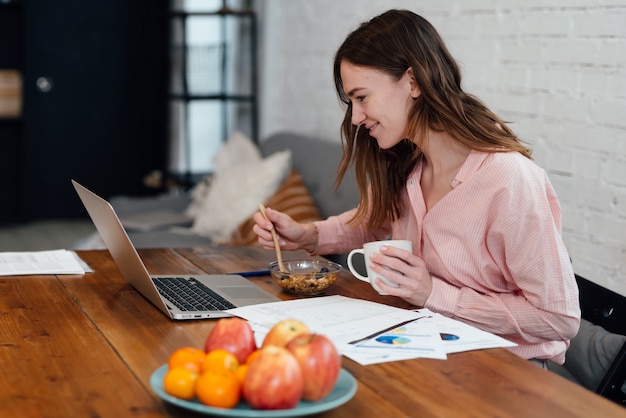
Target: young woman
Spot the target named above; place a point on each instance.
(435, 166)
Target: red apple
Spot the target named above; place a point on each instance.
(284, 331)
(319, 362)
(274, 380)
(234, 335)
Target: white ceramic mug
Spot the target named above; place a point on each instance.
(373, 247)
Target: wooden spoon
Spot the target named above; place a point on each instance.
(279, 256)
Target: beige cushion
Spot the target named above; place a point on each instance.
(236, 188)
(238, 150)
(292, 198)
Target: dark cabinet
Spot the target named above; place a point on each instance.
(94, 101)
(9, 167)
(10, 106)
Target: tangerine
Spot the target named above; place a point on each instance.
(218, 390)
(187, 357)
(240, 373)
(180, 382)
(220, 361)
(253, 356)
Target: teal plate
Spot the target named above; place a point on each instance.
(343, 392)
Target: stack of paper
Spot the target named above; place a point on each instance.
(370, 332)
(40, 262)
(431, 336)
(341, 318)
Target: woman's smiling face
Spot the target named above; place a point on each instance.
(379, 102)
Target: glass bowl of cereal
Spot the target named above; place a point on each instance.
(305, 277)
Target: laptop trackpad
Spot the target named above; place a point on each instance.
(243, 292)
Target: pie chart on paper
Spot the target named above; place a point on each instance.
(393, 339)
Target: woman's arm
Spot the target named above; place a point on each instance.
(337, 235)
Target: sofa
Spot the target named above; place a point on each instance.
(315, 159)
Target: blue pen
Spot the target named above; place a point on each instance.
(253, 273)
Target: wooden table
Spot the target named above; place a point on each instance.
(85, 346)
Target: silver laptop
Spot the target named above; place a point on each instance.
(168, 293)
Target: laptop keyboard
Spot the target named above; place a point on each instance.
(188, 294)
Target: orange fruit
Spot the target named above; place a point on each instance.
(188, 357)
(220, 361)
(218, 390)
(180, 382)
(240, 373)
(253, 356)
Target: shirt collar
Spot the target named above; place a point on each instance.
(471, 164)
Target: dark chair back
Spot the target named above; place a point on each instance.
(606, 308)
(602, 306)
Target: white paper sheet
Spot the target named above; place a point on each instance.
(370, 332)
(412, 340)
(458, 336)
(340, 318)
(431, 336)
(39, 262)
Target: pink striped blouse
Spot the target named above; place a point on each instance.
(494, 249)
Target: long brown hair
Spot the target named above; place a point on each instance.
(394, 42)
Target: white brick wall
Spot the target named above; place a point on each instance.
(556, 70)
